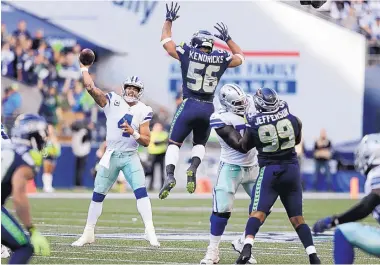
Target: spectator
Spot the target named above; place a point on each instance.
(81, 145)
(350, 21)
(79, 99)
(38, 37)
(7, 58)
(322, 156)
(4, 34)
(21, 30)
(157, 149)
(374, 29)
(50, 107)
(11, 104)
(339, 10)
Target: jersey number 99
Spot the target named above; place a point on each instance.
(208, 82)
(271, 135)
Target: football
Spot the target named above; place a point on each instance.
(87, 57)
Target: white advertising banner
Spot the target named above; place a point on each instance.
(317, 67)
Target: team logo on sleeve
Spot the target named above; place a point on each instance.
(116, 103)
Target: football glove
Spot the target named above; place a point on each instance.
(40, 244)
(323, 224)
(171, 14)
(223, 32)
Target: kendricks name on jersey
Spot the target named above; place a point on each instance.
(272, 117)
(205, 58)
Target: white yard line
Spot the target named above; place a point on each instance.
(177, 196)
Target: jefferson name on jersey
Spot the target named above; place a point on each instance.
(117, 112)
(229, 155)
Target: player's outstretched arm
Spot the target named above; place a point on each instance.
(97, 94)
(166, 36)
(238, 55)
(356, 213)
(231, 137)
(19, 195)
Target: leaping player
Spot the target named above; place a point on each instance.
(202, 67)
(349, 234)
(127, 127)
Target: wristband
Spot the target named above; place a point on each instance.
(136, 135)
(241, 57)
(164, 41)
(84, 69)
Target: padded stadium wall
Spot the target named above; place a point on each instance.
(316, 66)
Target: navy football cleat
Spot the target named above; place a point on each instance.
(245, 254)
(169, 184)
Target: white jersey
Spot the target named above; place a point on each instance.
(229, 155)
(118, 111)
(373, 182)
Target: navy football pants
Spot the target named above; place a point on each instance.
(192, 115)
(278, 180)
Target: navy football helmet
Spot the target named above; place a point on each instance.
(30, 130)
(266, 100)
(202, 39)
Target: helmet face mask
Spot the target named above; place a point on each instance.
(368, 153)
(233, 99)
(30, 130)
(132, 89)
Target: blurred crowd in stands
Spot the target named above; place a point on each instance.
(361, 16)
(55, 71)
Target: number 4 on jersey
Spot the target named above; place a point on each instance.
(127, 118)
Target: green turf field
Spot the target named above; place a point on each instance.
(182, 227)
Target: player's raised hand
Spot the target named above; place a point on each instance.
(171, 14)
(322, 225)
(223, 32)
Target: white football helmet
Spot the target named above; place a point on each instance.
(233, 99)
(134, 81)
(368, 153)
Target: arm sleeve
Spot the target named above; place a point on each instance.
(147, 116)
(182, 50)
(360, 210)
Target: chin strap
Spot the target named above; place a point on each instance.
(130, 99)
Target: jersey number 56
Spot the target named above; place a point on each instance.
(208, 82)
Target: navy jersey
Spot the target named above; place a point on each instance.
(274, 135)
(201, 71)
(13, 157)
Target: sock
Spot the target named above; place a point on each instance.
(21, 255)
(242, 237)
(304, 234)
(218, 224)
(197, 155)
(343, 250)
(252, 226)
(144, 206)
(95, 210)
(47, 180)
(171, 158)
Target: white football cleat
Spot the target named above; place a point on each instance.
(150, 235)
(211, 257)
(48, 189)
(238, 245)
(5, 252)
(88, 237)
